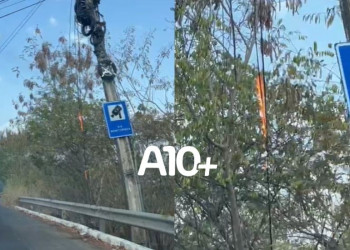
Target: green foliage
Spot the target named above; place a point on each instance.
(328, 17)
(308, 146)
(53, 157)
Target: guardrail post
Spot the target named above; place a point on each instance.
(64, 214)
(83, 219)
(102, 225)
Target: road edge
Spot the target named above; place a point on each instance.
(84, 230)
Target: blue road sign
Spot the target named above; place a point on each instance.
(117, 119)
(343, 54)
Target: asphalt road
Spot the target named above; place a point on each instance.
(19, 231)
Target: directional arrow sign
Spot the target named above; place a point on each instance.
(343, 54)
(117, 119)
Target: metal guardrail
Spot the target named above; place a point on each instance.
(156, 222)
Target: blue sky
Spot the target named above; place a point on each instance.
(53, 20)
(315, 32)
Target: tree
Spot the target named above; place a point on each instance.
(215, 96)
(63, 149)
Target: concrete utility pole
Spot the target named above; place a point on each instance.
(88, 16)
(345, 14)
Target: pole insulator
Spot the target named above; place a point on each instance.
(107, 69)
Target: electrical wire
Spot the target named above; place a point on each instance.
(13, 12)
(262, 71)
(19, 27)
(70, 24)
(3, 1)
(16, 30)
(234, 44)
(255, 35)
(12, 4)
(80, 103)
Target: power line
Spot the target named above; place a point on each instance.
(70, 23)
(266, 139)
(16, 30)
(19, 27)
(12, 4)
(22, 9)
(261, 70)
(3, 1)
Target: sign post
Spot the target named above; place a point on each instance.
(343, 55)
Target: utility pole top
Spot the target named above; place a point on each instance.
(89, 17)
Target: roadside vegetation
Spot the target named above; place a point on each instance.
(303, 202)
(50, 153)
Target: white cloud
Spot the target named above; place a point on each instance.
(53, 21)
